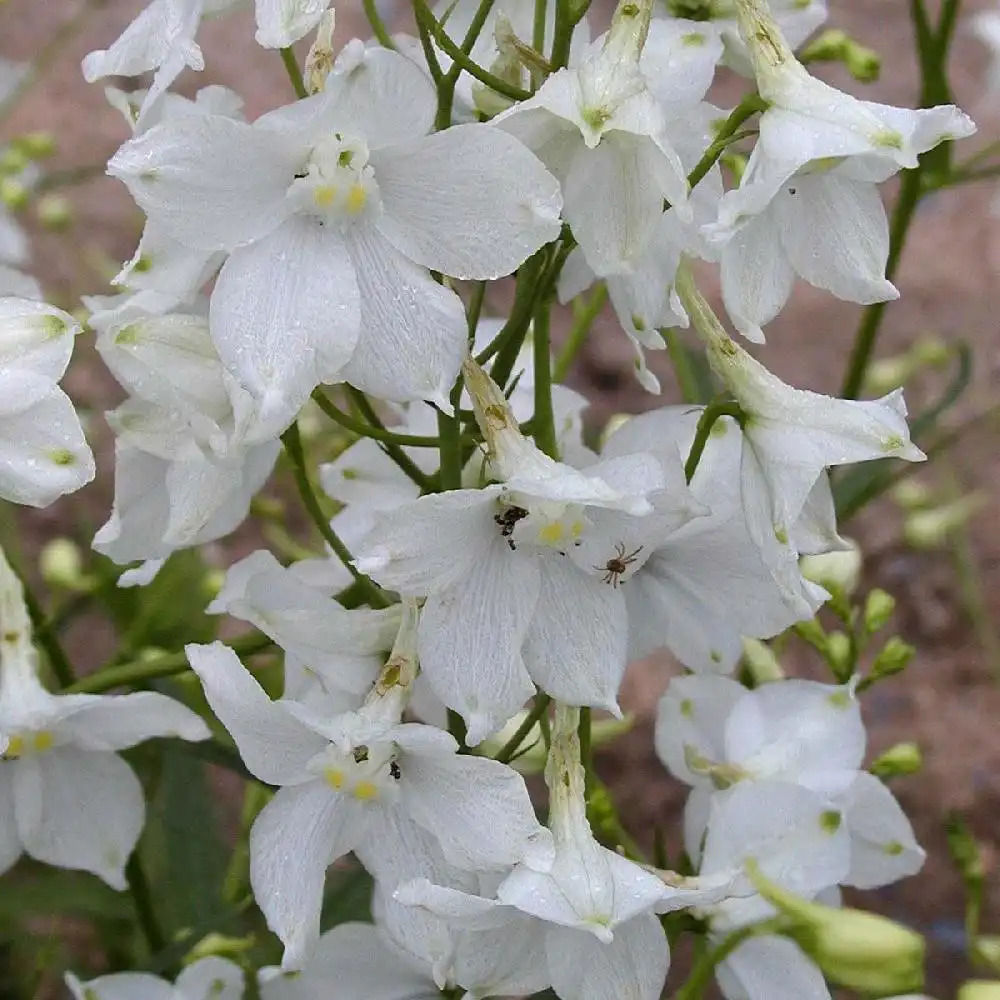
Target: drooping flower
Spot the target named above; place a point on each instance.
(210, 978)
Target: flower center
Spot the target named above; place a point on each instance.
(337, 184)
(366, 772)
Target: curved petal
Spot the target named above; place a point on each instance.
(273, 744)
(285, 315)
(471, 201)
(79, 810)
(10, 841)
(297, 835)
(770, 968)
(211, 978)
(280, 23)
(414, 334)
(121, 986)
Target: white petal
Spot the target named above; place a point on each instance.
(116, 722)
(634, 965)
(576, 646)
(285, 316)
(35, 337)
(478, 809)
(414, 334)
(299, 833)
(79, 810)
(211, 979)
(10, 841)
(435, 210)
(883, 847)
(471, 637)
(142, 46)
(274, 745)
(836, 235)
(770, 968)
(209, 181)
(354, 957)
(121, 986)
(282, 22)
(678, 61)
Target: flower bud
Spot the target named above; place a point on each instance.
(812, 632)
(879, 607)
(898, 761)
(35, 145)
(930, 529)
(13, 161)
(13, 193)
(861, 951)
(220, 945)
(912, 494)
(55, 212)
(319, 61)
(61, 565)
(894, 658)
(760, 661)
(839, 653)
(838, 571)
(979, 989)
(862, 63)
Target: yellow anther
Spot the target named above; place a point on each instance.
(324, 195)
(357, 197)
(365, 791)
(551, 533)
(334, 777)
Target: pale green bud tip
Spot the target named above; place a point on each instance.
(834, 45)
(838, 651)
(912, 494)
(879, 607)
(13, 194)
(895, 657)
(759, 659)
(931, 528)
(219, 945)
(898, 761)
(837, 571)
(61, 565)
(55, 212)
(979, 989)
(36, 145)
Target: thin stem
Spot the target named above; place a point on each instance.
(367, 430)
(586, 749)
(507, 344)
(292, 440)
(583, 319)
(377, 24)
(681, 362)
(749, 106)
(474, 309)
(543, 418)
(563, 35)
(449, 433)
(294, 72)
(706, 422)
(164, 665)
(138, 887)
(513, 745)
(46, 637)
(538, 27)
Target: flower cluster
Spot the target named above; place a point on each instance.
(487, 568)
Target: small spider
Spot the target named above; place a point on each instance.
(506, 519)
(617, 565)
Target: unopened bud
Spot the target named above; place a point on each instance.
(965, 853)
(894, 658)
(839, 653)
(736, 163)
(930, 529)
(912, 494)
(13, 161)
(837, 572)
(932, 352)
(898, 761)
(879, 606)
(13, 193)
(319, 61)
(812, 632)
(986, 951)
(213, 945)
(861, 951)
(862, 63)
(55, 212)
(61, 565)
(979, 989)
(759, 659)
(36, 145)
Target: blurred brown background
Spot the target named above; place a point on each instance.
(949, 699)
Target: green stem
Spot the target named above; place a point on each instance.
(749, 106)
(513, 745)
(294, 72)
(706, 422)
(138, 887)
(583, 319)
(474, 309)
(164, 665)
(538, 27)
(45, 636)
(543, 419)
(377, 24)
(563, 35)
(292, 440)
(507, 344)
(363, 429)
(449, 432)
(585, 731)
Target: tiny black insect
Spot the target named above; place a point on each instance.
(394, 770)
(507, 518)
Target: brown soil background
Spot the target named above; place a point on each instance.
(949, 699)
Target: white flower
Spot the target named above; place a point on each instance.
(522, 577)
(332, 209)
(704, 586)
(66, 798)
(185, 470)
(43, 452)
(393, 793)
(331, 653)
(207, 979)
(597, 125)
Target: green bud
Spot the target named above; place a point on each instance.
(55, 212)
(13, 161)
(837, 571)
(862, 63)
(912, 494)
(736, 163)
(13, 193)
(812, 632)
(887, 374)
(898, 761)
(986, 951)
(213, 582)
(979, 989)
(36, 145)
(839, 653)
(879, 607)
(931, 528)
(894, 658)
(601, 810)
(213, 945)
(861, 951)
(759, 659)
(965, 852)
(931, 352)
(61, 565)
